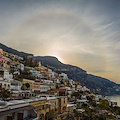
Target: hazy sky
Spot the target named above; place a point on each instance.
(85, 33)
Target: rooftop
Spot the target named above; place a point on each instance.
(57, 90)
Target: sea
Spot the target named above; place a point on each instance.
(115, 99)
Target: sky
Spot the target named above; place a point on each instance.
(84, 33)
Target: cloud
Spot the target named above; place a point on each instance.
(78, 32)
(103, 27)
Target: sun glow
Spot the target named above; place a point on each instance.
(59, 58)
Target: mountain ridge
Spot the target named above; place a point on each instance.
(95, 83)
(16, 52)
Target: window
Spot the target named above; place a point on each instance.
(8, 85)
(64, 100)
(42, 107)
(13, 115)
(55, 104)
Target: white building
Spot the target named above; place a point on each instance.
(84, 97)
(15, 85)
(47, 81)
(112, 103)
(98, 97)
(51, 74)
(73, 87)
(5, 84)
(63, 76)
(6, 75)
(20, 58)
(85, 89)
(44, 88)
(56, 81)
(7, 81)
(20, 67)
(82, 102)
(71, 81)
(16, 73)
(36, 73)
(79, 88)
(10, 84)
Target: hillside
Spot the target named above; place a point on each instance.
(13, 51)
(97, 84)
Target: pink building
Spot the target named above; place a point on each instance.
(2, 60)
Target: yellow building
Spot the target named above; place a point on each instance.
(6, 54)
(34, 86)
(50, 107)
(42, 108)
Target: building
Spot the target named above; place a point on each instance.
(79, 88)
(15, 85)
(50, 107)
(1, 51)
(57, 92)
(112, 103)
(69, 90)
(6, 54)
(71, 107)
(71, 81)
(36, 73)
(5, 79)
(17, 110)
(43, 108)
(5, 84)
(82, 102)
(63, 76)
(51, 73)
(34, 86)
(85, 88)
(57, 81)
(46, 81)
(44, 88)
(23, 94)
(3, 63)
(20, 67)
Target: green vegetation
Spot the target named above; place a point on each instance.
(29, 61)
(25, 86)
(5, 94)
(24, 75)
(76, 94)
(104, 104)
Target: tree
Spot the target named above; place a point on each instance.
(5, 93)
(76, 114)
(25, 86)
(76, 95)
(104, 104)
(29, 61)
